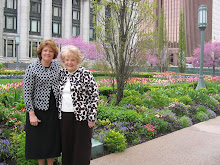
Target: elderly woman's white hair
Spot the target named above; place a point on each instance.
(70, 50)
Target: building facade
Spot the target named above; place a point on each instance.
(31, 21)
(216, 21)
(27, 22)
(192, 32)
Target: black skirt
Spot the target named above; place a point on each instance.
(76, 140)
(43, 141)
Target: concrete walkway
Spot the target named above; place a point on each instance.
(195, 145)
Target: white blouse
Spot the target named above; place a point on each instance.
(67, 103)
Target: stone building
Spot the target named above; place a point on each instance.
(31, 21)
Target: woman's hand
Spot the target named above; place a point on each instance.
(91, 124)
(33, 118)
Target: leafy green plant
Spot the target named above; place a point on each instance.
(158, 99)
(115, 141)
(18, 148)
(135, 100)
(4, 112)
(185, 121)
(201, 116)
(202, 108)
(117, 113)
(186, 100)
(127, 93)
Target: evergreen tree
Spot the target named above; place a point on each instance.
(162, 43)
(182, 45)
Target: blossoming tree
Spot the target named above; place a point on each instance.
(211, 55)
(89, 50)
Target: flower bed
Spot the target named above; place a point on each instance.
(149, 109)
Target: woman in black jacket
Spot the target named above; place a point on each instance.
(41, 102)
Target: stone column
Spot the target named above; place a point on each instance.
(1, 29)
(67, 19)
(23, 29)
(84, 21)
(46, 19)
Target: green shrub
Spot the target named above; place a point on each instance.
(185, 121)
(106, 91)
(115, 141)
(135, 100)
(186, 100)
(117, 113)
(158, 99)
(127, 93)
(4, 113)
(201, 108)
(202, 116)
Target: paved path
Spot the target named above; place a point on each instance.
(195, 145)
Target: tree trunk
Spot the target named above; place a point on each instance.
(120, 90)
(213, 69)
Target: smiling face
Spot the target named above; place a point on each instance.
(71, 63)
(47, 55)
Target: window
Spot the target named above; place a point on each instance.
(76, 18)
(11, 4)
(57, 18)
(56, 28)
(76, 15)
(35, 7)
(76, 30)
(33, 49)
(9, 48)
(107, 17)
(91, 23)
(76, 2)
(10, 16)
(34, 26)
(57, 11)
(91, 34)
(35, 17)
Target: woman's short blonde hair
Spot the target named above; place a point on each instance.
(70, 50)
(49, 42)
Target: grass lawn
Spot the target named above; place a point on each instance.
(5, 81)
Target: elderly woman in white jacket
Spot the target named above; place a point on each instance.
(78, 101)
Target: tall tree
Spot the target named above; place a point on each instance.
(162, 56)
(211, 55)
(121, 31)
(182, 45)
